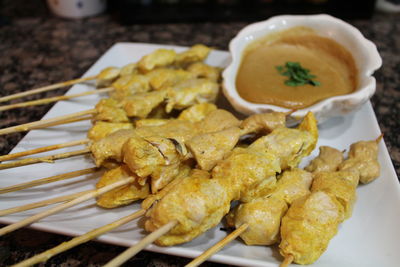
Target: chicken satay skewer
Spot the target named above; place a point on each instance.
(46, 88)
(159, 58)
(46, 213)
(218, 246)
(79, 240)
(332, 198)
(201, 180)
(53, 99)
(291, 186)
(146, 204)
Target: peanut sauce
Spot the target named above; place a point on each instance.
(258, 80)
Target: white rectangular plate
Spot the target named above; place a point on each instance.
(369, 238)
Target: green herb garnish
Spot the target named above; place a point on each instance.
(297, 74)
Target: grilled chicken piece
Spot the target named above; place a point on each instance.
(197, 112)
(190, 92)
(328, 160)
(163, 77)
(123, 195)
(145, 155)
(198, 203)
(300, 140)
(209, 148)
(264, 214)
(217, 120)
(196, 53)
(158, 58)
(264, 218)
(202, 70)
(363, 159)
(130, 85)
(184, 172)
(141, 104)
(341, 184)
(292, 185)
(110, 147)
(110, 110)
(264, 122)
(129, 69)
(102, 129)
(107, 76)
(151, 122)
(309, 225)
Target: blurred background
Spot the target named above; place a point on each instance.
(153, 11)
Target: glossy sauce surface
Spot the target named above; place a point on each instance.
(258, 80)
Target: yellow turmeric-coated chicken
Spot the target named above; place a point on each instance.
(195, 53)
(129, 70)
(110, 110)
(123, 195)
(209, 148)
(163, 77)
(190, 92)
(141, 104)
(292, 184)
(264, 214)
(159, 58)
(309, 225)
(129, 85)
(198, 203)
(110, 147)
(341, 184)
(328, 160)
(264, 122)
(307, 229)
(107, 76)
(202, 70)
(363, 159)
(197, 112)
(101, 129)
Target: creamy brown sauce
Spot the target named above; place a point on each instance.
(258, 80)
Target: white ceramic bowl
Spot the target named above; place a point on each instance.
(364, 52)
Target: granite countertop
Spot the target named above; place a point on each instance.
(39, 49)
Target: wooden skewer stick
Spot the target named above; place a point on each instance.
(46, 88)
(48, 159)
(288, 260)
(130, 252)
(43, 203)
(44, 256)
(53, 99)
(43, 149)
(47, 125)
(47, 180)
(64, 206)
(30, 125)
(217, 247)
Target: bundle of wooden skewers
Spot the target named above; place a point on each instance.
(160, 139)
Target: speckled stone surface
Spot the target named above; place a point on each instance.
(37, 49)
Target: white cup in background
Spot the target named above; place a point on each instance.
(75, 9)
